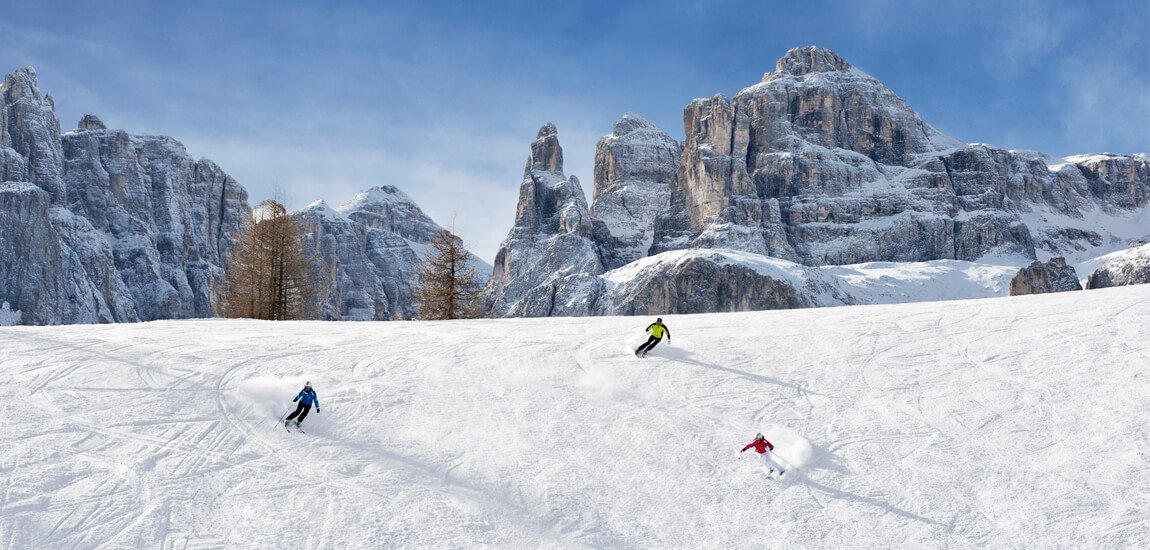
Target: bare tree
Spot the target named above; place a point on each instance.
(269, 275)
(449, 286)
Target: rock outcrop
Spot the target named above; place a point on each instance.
(371, 250)
(704, 283)
(1132, 268)
(124, 228)
(634, 168)
(550, 261)
(1045, 277)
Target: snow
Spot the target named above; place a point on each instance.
(1117, 230)
(867, 283)
(383, 195)
(985, 423)
(8, 316)
(322, 209)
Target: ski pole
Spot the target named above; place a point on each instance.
(784, 460)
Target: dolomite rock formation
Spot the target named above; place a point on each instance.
(550, 261)
(822, 164)
(104, 226)
(1044, 278)
(819, 164)
(634, 168)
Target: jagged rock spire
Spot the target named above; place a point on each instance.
(810, 59)
(91, 122)
(546, 154)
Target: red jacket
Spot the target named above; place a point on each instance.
(760, 446)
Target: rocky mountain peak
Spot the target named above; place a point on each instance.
(29, 126)
(630, 123)
(377, 197)
(810, 59)
(546, 154)
(20, 83)
(548, 129)
(91, 122)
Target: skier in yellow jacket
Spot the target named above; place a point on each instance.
(657, 330)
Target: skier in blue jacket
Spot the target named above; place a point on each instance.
(305, 398)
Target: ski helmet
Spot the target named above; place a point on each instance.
(307, 385)
(659, 320)
(759, 436)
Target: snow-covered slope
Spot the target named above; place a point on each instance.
(1010, 422)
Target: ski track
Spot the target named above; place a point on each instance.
(996, 423)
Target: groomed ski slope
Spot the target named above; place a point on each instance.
(1001, 423)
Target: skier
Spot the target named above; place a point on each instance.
(305, 398)
(657, 330)
(761, 446)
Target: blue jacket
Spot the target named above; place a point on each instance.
(307, 397)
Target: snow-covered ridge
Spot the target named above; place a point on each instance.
(973, 424)
(386, 195)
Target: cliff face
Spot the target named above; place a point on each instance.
(819, 164)
(822, 164)
(550, 260)
(113, 227)
(634, 167)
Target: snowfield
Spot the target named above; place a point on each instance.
(998, 423)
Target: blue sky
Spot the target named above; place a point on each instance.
(321, 100)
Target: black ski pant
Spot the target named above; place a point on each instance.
(300, 411)
(648, 345)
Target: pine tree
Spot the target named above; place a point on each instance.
(449, 286)
(269, 275)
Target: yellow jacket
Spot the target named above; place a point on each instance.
(657, 330)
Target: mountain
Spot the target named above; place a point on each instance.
(819, 164)
(1001, 423)
(101, 226)
(634, 169)
(822, 164)
(371, 249)
(550, 261)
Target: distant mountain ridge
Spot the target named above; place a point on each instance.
(103, 226)
(819, 164)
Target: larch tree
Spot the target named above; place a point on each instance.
(269, 274)
(449, 284)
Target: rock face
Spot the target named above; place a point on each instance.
(819, 164)
(1132, 268)
(30, 128)
(634, 168)
(1044, 278)
(822, 164)
(550, 261)
(371, 250)
(112, 227)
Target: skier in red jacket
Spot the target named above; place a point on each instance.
(761, 446)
